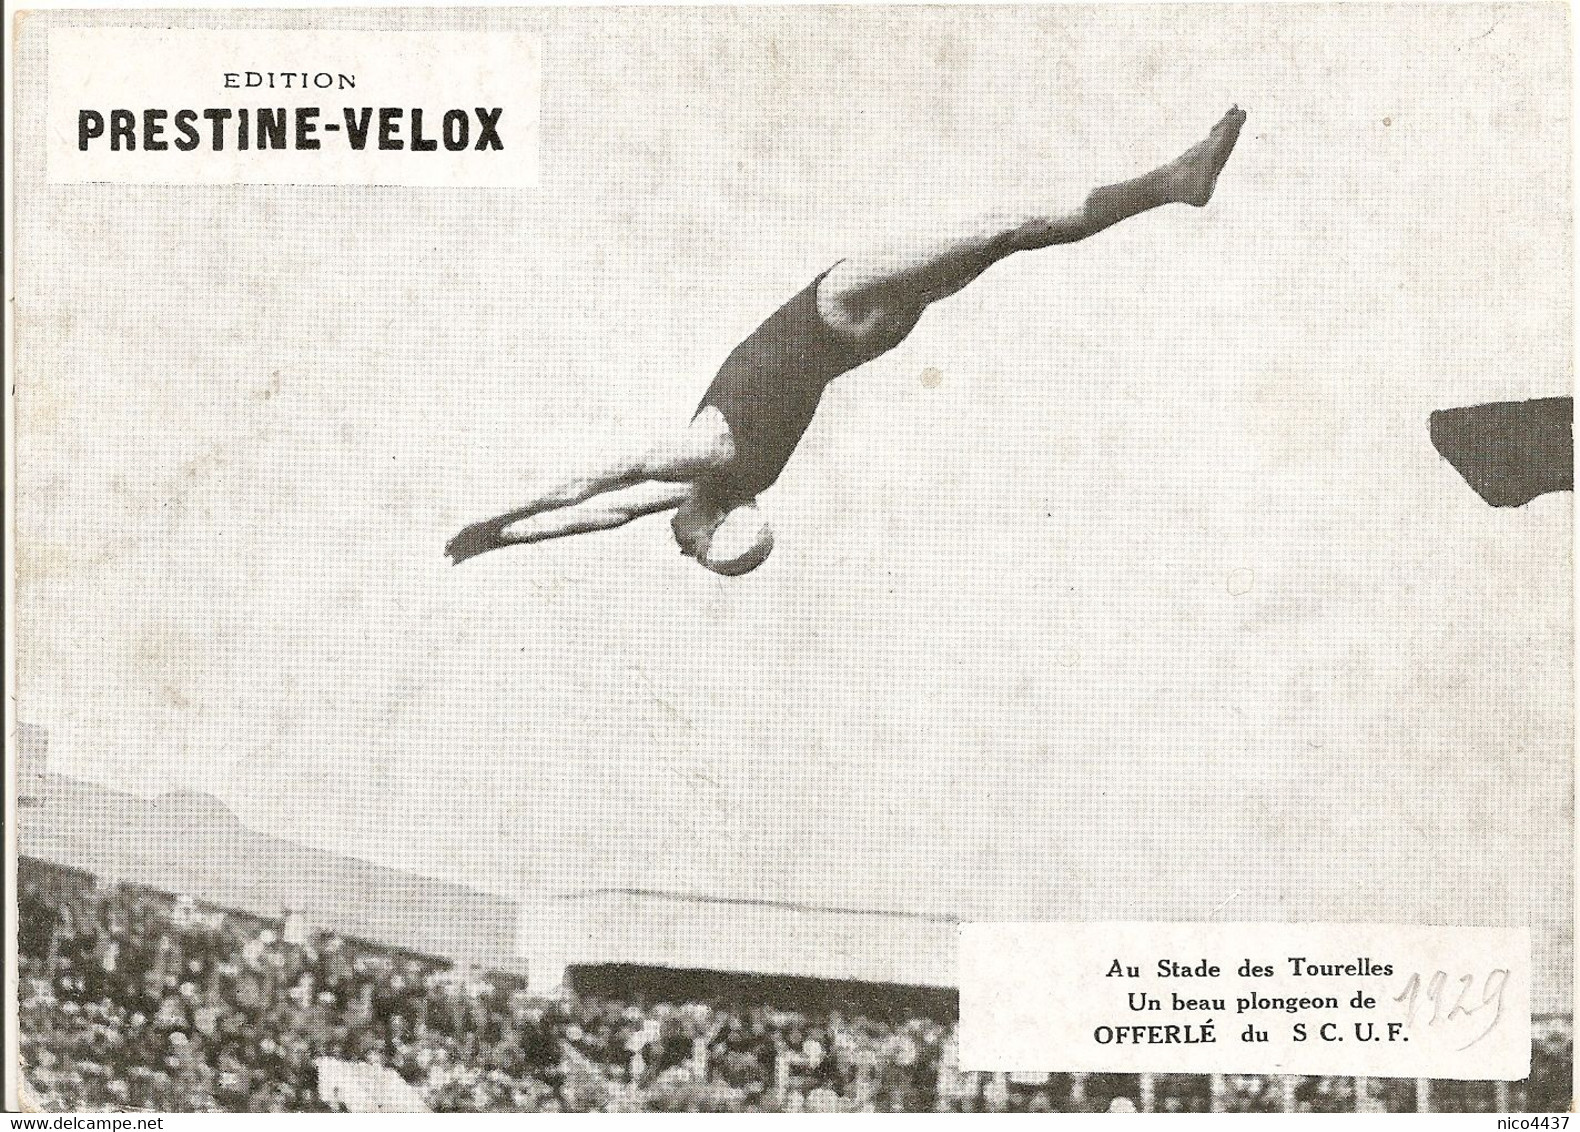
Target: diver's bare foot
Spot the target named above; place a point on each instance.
(1195, 172)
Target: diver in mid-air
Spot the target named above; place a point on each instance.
(711, 471)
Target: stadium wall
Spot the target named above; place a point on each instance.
(658, 929)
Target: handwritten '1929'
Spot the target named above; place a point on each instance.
(1438, 993)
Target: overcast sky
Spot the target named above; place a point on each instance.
(1160, 603)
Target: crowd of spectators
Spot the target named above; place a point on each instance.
(132, 999)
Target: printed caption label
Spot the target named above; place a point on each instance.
(1347, 999)
(174, 107)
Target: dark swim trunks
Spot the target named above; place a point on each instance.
(769, 388)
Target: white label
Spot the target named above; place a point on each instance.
(172, 107)
(1350, 999)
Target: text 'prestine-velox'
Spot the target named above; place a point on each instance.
(300, 128)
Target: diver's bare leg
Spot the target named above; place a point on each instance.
(886, 294)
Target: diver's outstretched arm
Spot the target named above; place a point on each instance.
(490, 533)
(519, 528)
(703, 445)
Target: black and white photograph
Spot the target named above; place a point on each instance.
(791, 559)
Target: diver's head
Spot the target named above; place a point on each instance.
(729, 538)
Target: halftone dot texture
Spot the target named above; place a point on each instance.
(1128, 587)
